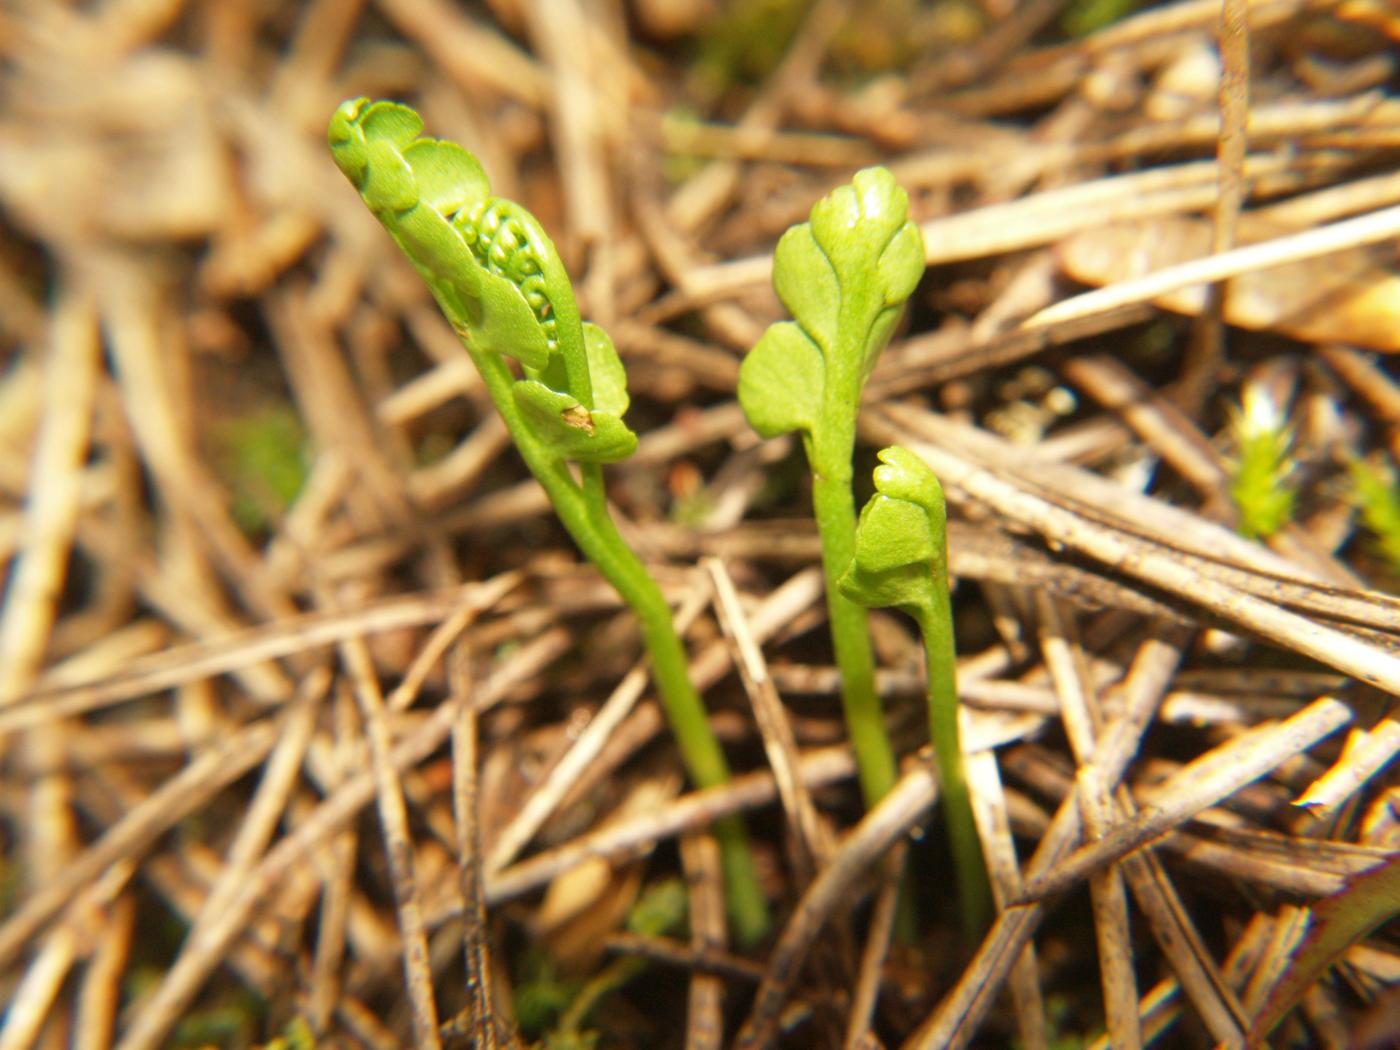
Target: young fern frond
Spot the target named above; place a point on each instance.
(499, 281)
(844, 275)
(901, 560)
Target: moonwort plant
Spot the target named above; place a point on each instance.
(901, 560)
(499, 280)
(844, 275)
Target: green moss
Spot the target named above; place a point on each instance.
(296, 1035)
(233, 1021)
(744, 43)
(1376, 493)
(1260, 484)
(262, 458)
(1083, 17)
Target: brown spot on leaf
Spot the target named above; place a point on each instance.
(579, 417)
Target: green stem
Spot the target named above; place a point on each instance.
(608, 980)
(685, 711)
(583, 511)
(834, 508)
(936, 624)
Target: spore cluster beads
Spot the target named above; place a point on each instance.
(497, 236)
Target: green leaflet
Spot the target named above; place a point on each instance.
(780, 382)
(500, 321)
(806, 281)
(357, 123)
(893, 570)
(900, 537)
(903, 475)
(605, 367)
(569, 429)
(448, 177)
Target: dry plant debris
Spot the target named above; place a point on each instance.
(317, 732)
